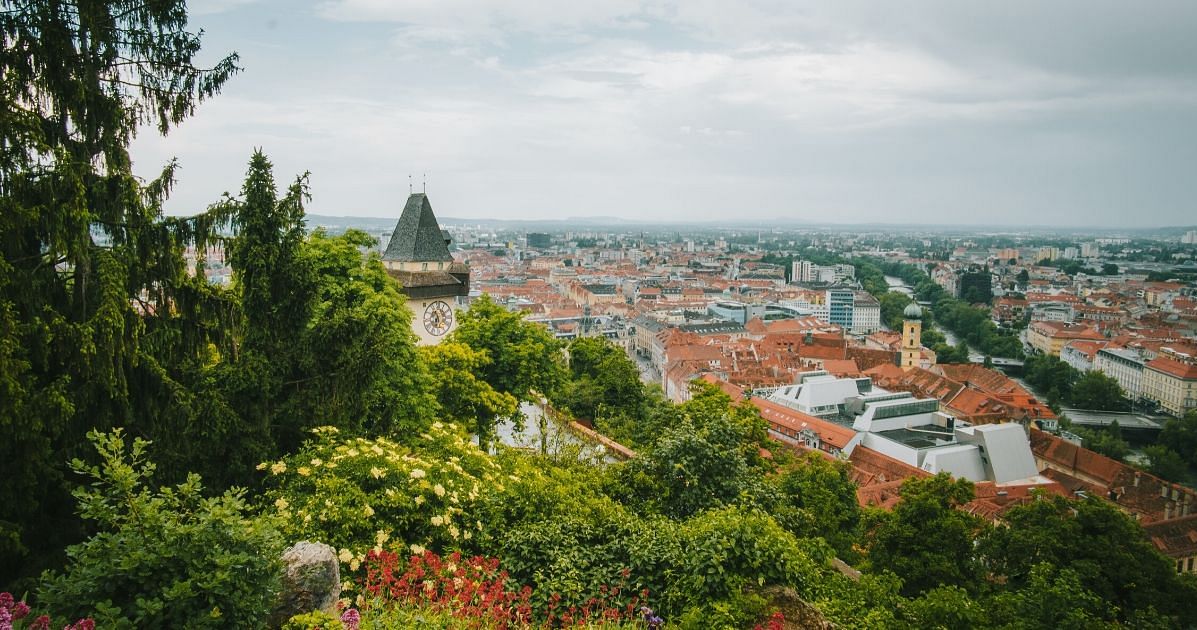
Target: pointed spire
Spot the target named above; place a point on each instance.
(417, 236)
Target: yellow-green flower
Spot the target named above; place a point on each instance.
(439, 490)
(345, 556)
(278, 468)
(417, 473)
(377, 472)
(281, 504)
(303, 471)
(369, 511)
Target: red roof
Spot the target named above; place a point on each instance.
(1176, 537)
(1167, 365)
(794, 421)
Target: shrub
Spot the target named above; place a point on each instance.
(169, 558)
(726, 550)
(362, 494)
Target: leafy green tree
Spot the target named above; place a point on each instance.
(945, 353)
(357, 367)
(693, 469)
(464, 397)
(1094, 390)
(1053, 598)
(892, 305)
(641, 430)
(1051, 376)
(927, 540)
(90, 271)
(1105, 548)
(603, 380)
(1106, 440)
(1180, 435)
(822, 497)
(170, 558)
(1165, 463)
(525, 358)
(709, 458)
(976, 287)
(948, 607)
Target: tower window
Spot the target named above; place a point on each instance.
(424, 266)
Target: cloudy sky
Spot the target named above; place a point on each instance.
(1014, 112)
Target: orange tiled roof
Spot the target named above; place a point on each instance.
(1176, 537)
(1170, 366)
(794, 420)
(871, 467)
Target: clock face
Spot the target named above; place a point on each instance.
(438, 318)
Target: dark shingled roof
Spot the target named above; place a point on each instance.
(417, 236)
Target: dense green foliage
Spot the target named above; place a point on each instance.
(170, 558)
(90, 335)
(1097, 545)
(927, 541)
(1062, 384)
(976, 287)
(603, 381)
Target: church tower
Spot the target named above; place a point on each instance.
(912, 332)
(418, 257)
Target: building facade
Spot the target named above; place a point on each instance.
(840, 304)
(1171, 382)
(1124, 366)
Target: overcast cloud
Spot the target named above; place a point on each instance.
(1018, 113)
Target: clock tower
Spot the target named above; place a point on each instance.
(418, 257)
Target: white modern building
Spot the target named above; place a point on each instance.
(913, 430)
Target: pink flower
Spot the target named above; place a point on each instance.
(41, 623)
(351, 618)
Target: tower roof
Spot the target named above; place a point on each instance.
(417, 236)
(912, 311)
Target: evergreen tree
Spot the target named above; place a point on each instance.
(93, 290)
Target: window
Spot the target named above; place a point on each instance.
(424, 266)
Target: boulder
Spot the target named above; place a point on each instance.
(311, 581)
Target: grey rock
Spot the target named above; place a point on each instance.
(311, 581)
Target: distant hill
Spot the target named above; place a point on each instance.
(386, 224)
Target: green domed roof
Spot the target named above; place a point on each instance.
(912, 311)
